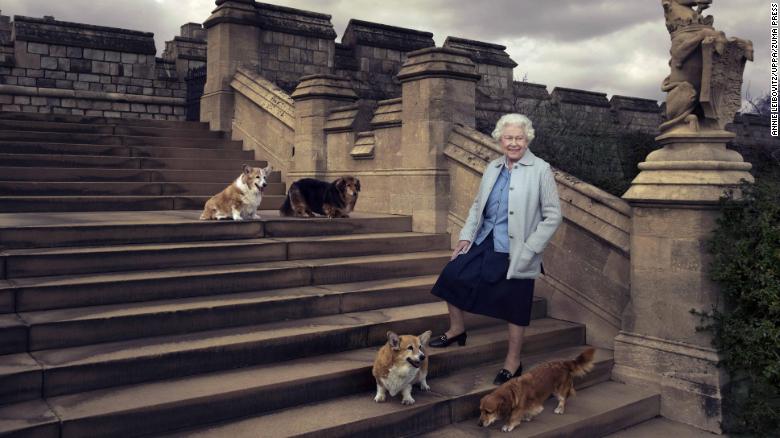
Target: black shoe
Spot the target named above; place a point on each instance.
(504, 375)
(443, 341)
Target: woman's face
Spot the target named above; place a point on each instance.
(513, 142)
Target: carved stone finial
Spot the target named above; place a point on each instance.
(706, 70)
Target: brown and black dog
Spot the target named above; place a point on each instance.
(522, 398)
(308, 196)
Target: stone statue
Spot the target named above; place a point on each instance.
(706, 70)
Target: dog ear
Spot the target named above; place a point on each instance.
(394, 340)
(268, 169)
(247, 169)
(425, 337)
(357, 184)
(340, 183)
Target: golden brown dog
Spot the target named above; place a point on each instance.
(240, 199)
(308, 196)
(399, 364)
(522, 398)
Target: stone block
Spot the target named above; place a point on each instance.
(102, 105)
(162, 92)
(36, 100)
(113, 56)
(121, 88)
(80, 66)
(53, 101)
(112, 114)
(27, 82)
(77, 112)
(55, 74)
(12, 108)
(58, 110)
(129, 115)
(180, 93)
(94, 113)
(105, 79)
(127, 70)
(117, 70)
(145, 116)
(75, 52)
(9, 80)
(129, 58)
(99, 67)
(58, 51)
(25, 59)
(95, 86)
(166, 109)
(5, 71)
(132, 89)
(78, 85)
(109, 88)
(94, 54)
(85, 77)
(68, 103)
(34, 73)
(38, 48)
(153, 108)
(64, 84)
(49, 63)
(29, 109)
(148, 91)
(22, 100)
(178, 110)
(46, 83)
(120, 106)
(63, 64)
(138, 108)
(85, 104)
(19, 72)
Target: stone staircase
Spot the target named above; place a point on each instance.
(76, 163)
(150, 323)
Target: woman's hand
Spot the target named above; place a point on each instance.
(459, 248)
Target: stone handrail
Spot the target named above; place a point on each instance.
(264, 118)
(587, 262)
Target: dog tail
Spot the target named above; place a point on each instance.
(582, 364)
(286, 208)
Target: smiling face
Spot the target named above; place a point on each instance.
(514, 143)
(255, 177)
(408, 348)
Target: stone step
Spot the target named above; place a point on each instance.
(107, 161)
(21, 378)
(95, 324)
(41, 262)
(21, 204)
(31, 419)
(14, 334)
(32, 230)
(64, 118)
(123, 140)
(78, 369)
(49, 189)
(122, 151)
(252, 391)
(662, 427)
(452, 398)
(129, 175)
(58, 292)
(107, 129)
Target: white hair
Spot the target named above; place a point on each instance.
(516, 120)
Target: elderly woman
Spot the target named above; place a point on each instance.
(493, 267)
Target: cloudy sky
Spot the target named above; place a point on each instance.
(611, 46)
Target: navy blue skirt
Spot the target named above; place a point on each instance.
(476, 282)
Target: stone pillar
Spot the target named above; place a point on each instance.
(233, 40)
(314, 97)
(674, 201)
(438, 91)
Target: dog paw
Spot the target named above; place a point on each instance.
(424, 386)
(379, 398)
(558, 411)
(407, 401)
(507, 428)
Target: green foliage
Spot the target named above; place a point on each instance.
(746, 264)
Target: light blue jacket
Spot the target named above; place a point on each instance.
(534, 212)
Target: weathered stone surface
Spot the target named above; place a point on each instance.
(41, 31)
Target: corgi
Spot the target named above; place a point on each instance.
(240, 199)
(522, 398)
(399, 364)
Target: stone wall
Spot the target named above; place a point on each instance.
(188, 50)
(587, 262)
(71, 68)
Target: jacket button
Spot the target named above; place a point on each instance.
(511, 188)
(511, 212)
(511, 236)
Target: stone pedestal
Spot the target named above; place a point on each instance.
(234, 39)
(674, 201)
(314, 97)
(438, 91)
